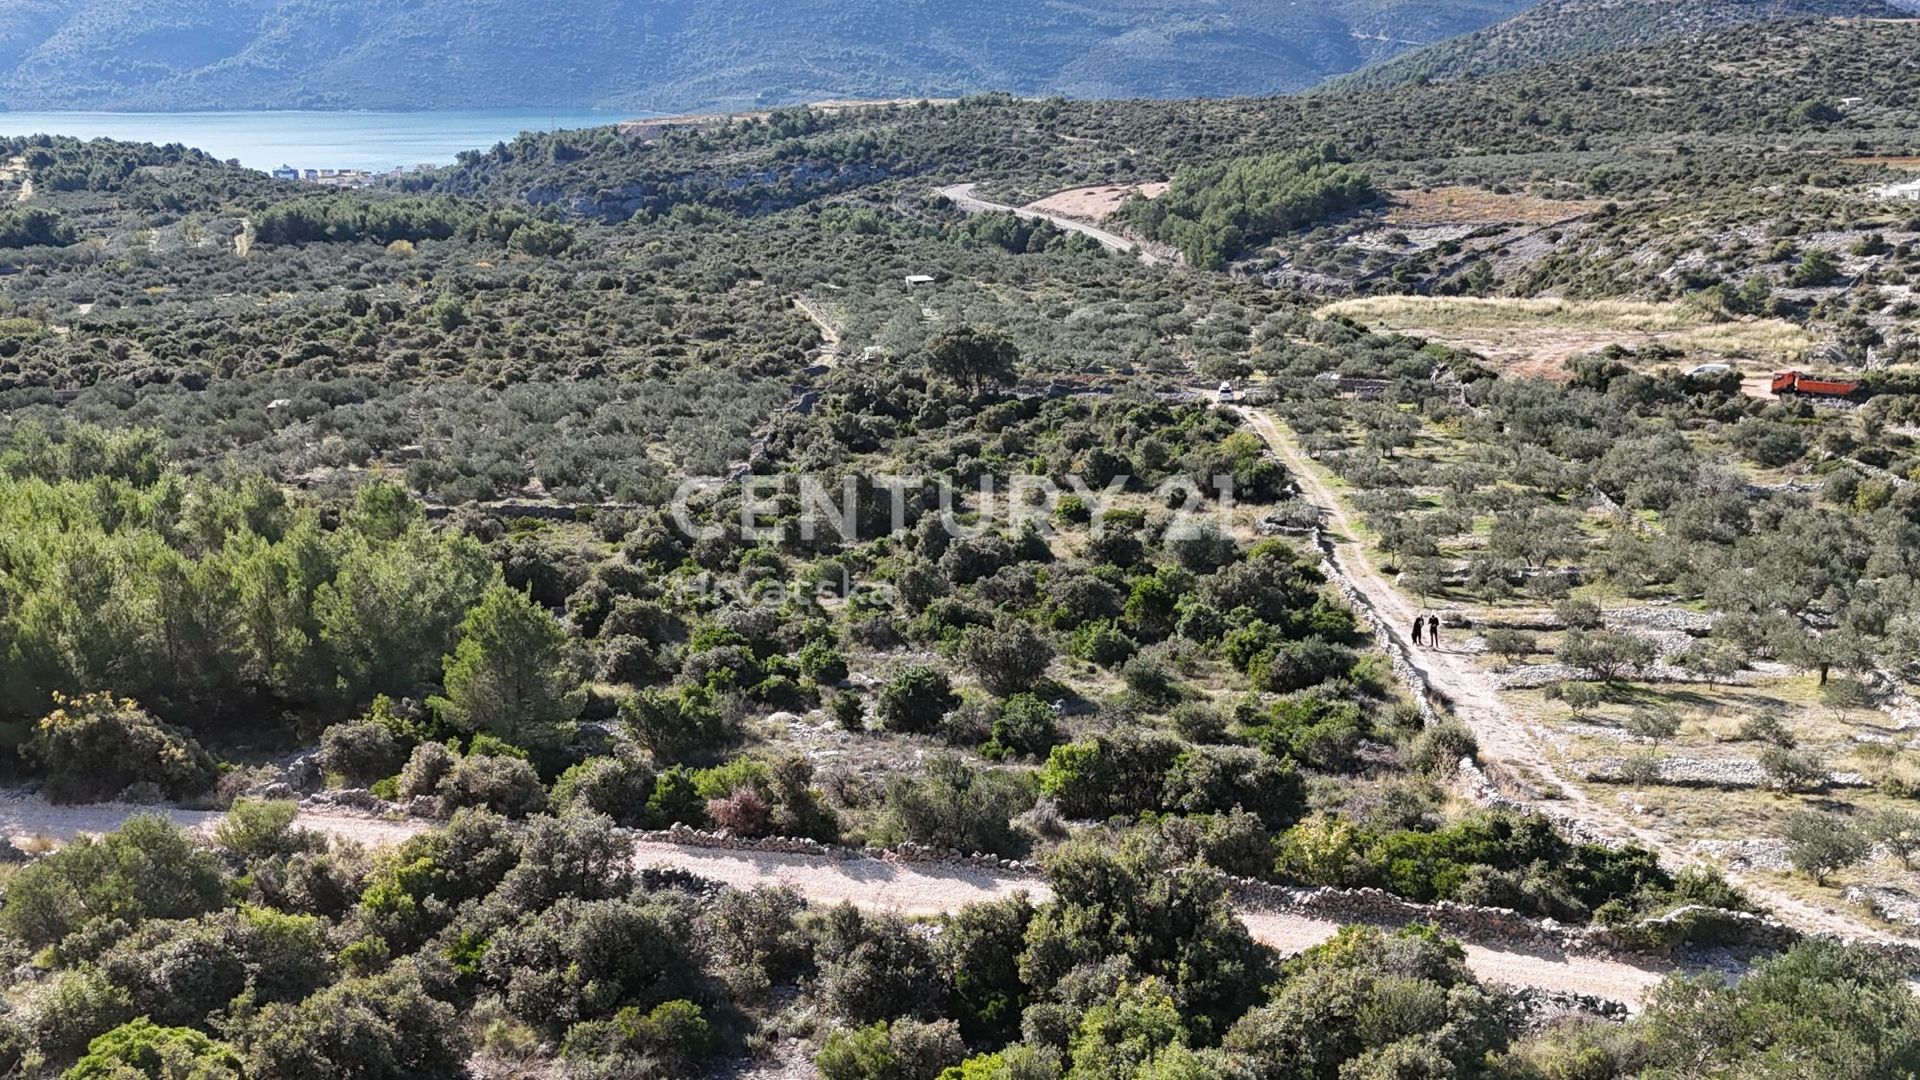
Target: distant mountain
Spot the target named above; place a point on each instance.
(678, 54)
(1558, 30)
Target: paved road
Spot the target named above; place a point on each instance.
(876, 884)
(962, 196)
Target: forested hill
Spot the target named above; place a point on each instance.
(678, 54)
(1557, 30)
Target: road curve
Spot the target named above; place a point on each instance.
(875, 884)
(962, 196)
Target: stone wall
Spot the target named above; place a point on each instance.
(1410, 677)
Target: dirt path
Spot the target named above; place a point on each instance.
(830, 348)
(875, 884)
(1508, 745)
(962, 196)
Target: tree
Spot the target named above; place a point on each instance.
(973, 357)
(514, 672)
(1898, 831)
(1511, 646)
(1820, 843)
(1580, 698)
(1655, 724)
(1607, 654)
(1794, 770)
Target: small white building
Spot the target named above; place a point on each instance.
(286, 172)
(919, 281)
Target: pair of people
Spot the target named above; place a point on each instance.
(1429, 625)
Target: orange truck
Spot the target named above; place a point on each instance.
(1800, 384)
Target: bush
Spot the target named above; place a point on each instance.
(1768, 726)
(147, 868)
(675, 726)
(1438, 749)
(847, 711)
(584, 960)
(915, 700)
(384, 1026)
(1199, 722)
(615, 786)
(669, 1041)
(506, 785)
(1025, 727)
(254, 829)
(1218, 779)
(426, 768)
(958, 807)
(1108, 775)
(95, 745)
(1297, 665)
(1007, 659)
(143, 1048)
(360, 753)
(1101, 642)
(743, 811)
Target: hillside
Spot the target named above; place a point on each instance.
(676, 54)
(1559, 30)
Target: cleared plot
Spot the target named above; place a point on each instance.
(1458, 205)
(1094, 203)
(1536, 336)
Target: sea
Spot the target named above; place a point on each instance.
(373, 141)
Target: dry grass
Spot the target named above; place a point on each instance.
(1477, 206)
(1536, 336)
(1890, 161)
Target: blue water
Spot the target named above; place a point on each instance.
(375, 141)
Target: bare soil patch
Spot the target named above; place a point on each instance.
(1094, 203)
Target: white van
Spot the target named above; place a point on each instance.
(1226, 393)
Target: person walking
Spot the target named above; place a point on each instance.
(1419, 624)
(1433, 631)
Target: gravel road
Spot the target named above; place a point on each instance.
(1504, 740)
(876, 884)
(962, 196)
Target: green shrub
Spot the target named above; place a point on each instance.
(915, 700)
(615, 786)
(95, 745)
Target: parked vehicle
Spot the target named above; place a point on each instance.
(1800, 384)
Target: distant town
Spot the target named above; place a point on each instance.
(347, 178)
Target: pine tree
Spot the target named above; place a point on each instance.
(514, 674)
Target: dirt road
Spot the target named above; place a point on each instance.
(962, 196)
(875, 884)
(1506, 743)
